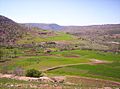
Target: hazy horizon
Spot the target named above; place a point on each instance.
(62, 12)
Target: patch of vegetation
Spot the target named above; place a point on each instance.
(92, 54)
(30, 38)
(9, 53)
(33, 73)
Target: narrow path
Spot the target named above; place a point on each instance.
(92, 61)
(61, 66)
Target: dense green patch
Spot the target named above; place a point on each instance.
(33, 73)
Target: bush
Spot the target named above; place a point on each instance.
(33, 73)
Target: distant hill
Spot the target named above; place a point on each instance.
(111, 28)
(10, 31)
(45, 26)
(103, 29)
(101, 34)
(97, 33)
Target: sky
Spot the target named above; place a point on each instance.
(62, 12)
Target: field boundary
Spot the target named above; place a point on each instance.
(92, 61)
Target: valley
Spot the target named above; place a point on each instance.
(87, 56)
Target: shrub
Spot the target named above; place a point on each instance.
(33, 73)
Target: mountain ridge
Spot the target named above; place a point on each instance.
(44, 26)
(57, 27)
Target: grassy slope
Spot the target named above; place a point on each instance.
(29, 38)
(105, 71)
(42, 62)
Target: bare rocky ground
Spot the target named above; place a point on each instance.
(59, 82)
(57, 79)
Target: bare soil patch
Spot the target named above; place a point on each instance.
(96, 61)
(91, 81)
(53, 82)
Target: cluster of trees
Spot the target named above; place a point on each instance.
(6, 54)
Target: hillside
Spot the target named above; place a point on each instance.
(107, 35)
(10, 31)
(105, 27)
(102, 29)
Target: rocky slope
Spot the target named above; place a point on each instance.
(10, 31)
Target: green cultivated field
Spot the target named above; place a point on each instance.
(28, 39)
(43, 61)
(105, 71)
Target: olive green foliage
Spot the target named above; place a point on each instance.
(33, 73)
(9, 53)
